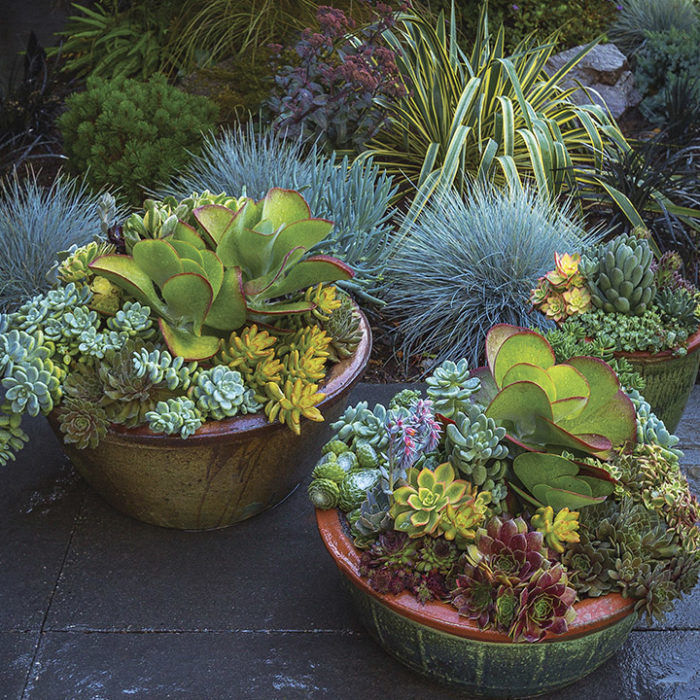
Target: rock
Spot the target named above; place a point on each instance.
(605, 70)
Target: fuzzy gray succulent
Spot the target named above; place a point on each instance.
(219, 392)
(175, 416)
(358, 423)
(450, 387)
(651, 429)
(162, 368)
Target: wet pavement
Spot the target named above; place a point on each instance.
(96, 605)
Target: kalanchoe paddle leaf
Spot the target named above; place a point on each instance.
(553, 480)
(577, 405)
(222, 266)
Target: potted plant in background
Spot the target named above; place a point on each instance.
(615, 300)
(503, 533)
(170, 360)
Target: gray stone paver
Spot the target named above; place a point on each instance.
(96, 605)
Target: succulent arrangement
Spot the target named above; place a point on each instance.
(513, 491)
(616, 297)
(202, 310)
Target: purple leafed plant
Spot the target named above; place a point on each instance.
(328, 86)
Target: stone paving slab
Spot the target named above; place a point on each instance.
(97, 605)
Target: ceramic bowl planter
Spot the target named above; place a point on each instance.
(435, 641)
(226, 472)
(669, 379)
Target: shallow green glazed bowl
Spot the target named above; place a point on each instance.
(226, 472)
(435, 641)
(669, 379)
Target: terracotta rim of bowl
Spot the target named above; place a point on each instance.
(592, 614)
(343, 376)
(692, 345)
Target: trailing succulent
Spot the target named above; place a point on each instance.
(162, 326)
(513, 491)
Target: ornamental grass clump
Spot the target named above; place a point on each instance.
(466, 264)
(37, 223)
(538, 487)
(206, 313)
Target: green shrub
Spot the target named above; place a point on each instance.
(638, 17)
(129, 134)
(666, 57)
(577, 21)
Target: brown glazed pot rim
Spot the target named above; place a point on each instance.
(692, 345)
(343, 375)
(592, 614)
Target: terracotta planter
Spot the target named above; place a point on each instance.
(669, 378)
(228, 471)
(435, 641)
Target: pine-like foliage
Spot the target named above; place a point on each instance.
(36, 223)
(133, 134)
(466, 265)
(354, 196)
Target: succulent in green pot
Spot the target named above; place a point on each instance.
(620, 275)
(232, 265)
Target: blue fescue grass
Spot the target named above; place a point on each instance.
(355, 196)
(36, 223)
(466, 265)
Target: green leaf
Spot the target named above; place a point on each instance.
(183, 344)
(307, 273)
(518, 405)
(215, 220)
(158, 259)
(608, 411)
(188, 296)
(305, 233)
(282, 207)
(214, 270)
(186, 250)
(125, 273)
(523, 346)
(228, 311)
(188, 234)
(526, 372)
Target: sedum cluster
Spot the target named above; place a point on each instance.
(514, 491)
(119, 339)
(632, 302)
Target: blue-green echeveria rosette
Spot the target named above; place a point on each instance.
(175, 416)
(220, 393)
